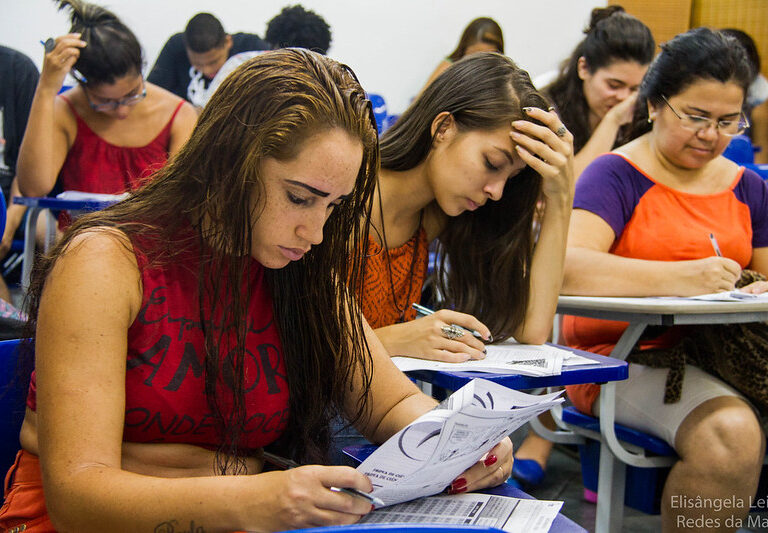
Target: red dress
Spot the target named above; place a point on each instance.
(94, 165)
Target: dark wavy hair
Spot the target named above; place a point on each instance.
(480, 30)
(112, 51)
(698, 54)
(612, 35)
(266, 108)
(296, 26)
(489, 250)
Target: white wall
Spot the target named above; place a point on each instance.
(392, 45)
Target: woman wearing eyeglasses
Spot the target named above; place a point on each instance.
(113, 128)
(641, 226)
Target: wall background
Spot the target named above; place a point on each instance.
(392, 45)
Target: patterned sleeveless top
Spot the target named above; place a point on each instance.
(379, 304)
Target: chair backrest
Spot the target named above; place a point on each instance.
(379, 110)
(13, 391)
(2, 212)
(740, 150)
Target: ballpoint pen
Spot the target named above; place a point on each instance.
(714, 244)
(287, 464)
(425, 311)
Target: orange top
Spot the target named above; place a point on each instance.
(654, 222)
(408, 265)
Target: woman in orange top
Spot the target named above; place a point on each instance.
(641, 225)
(464, 168)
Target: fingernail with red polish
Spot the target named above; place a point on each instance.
(459, 483)
(490, 460)
(458, 491)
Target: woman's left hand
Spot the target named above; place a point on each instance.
(489, 472)
(756, 287)
(548, 150)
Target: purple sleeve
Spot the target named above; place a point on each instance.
(753, 191)
(610, 187)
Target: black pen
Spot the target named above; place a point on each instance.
(287, 464)
(425, 311)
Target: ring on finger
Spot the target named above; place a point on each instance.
(561, 131)
(501, 469)
(452, 331)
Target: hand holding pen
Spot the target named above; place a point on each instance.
(287, 464)
(443, 335)
(61, 54)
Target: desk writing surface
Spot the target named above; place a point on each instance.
(660, 305)
(608, 369)
(664, 311)
(46, 202)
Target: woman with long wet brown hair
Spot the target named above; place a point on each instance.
(208, 316)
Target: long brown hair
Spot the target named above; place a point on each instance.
(481, 30)
(265, 108)
(485, 255)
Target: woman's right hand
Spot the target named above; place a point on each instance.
(301, 497)
(704, 276)
(623, 112)
(424, 337)
(59, 61)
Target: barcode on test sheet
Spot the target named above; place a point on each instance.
(541, 363)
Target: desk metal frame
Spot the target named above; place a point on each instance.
(36, 206)
(641, 313)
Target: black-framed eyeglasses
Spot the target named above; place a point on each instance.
(697, 123)
(114, 104)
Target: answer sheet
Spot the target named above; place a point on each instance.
(506, 358)
(502, 512)
(426, 456)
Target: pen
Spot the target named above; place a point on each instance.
(714, 244)
(287, 464)
(425, 311)
(49, 44)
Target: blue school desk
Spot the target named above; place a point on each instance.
(561, 523)
(608, 369)
(36, 205)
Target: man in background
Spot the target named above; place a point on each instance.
(189, 60)
(294, 26)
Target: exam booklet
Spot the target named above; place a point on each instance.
(486, 510)
(506, 358)
(426, 456)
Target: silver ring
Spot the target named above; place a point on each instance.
(452, 331)
(561, 131)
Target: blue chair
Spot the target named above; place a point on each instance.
(394, 528)
(379, 110)
(740, 150)
(13, 390)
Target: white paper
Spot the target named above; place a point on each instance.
(502, 512)
(91, 196)
(426, 456)
(507, 358)
(729, 296)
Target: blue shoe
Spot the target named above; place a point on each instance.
(528, 471)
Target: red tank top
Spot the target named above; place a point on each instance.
(94, 165)
(164, 383)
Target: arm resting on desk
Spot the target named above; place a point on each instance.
(590, 270)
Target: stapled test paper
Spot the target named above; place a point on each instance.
(505, 358)
(502, 512)
(426, 456)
